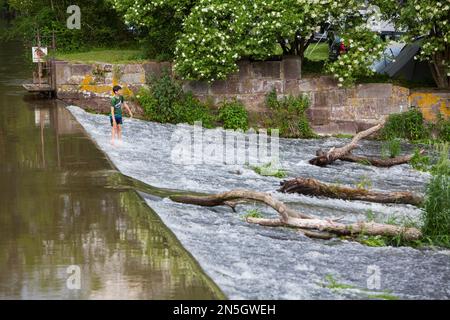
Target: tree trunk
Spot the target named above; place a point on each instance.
(333, 154)
(224, 198)
(439, 70)
(287, 216)
(312, 187)
(366, 228)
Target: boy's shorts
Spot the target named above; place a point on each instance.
(118, 120)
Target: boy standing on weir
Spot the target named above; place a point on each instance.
(116, 113)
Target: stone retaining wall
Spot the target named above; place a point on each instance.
(333, 109)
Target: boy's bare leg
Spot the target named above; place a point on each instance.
(119, 132)
(113, 132)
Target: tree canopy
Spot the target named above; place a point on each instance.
(219, 32)
(101, 25)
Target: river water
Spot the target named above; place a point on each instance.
(64, 210)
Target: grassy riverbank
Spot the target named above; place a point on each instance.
(120, 56)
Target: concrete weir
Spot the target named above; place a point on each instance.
(254, 262)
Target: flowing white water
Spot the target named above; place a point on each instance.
(249, 261)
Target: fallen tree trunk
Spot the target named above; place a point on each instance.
(234, 195)
(366, 228)
(313, 187)
(322, 159)
(386, 163)
(288, 217)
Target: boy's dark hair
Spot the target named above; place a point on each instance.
(116, 88)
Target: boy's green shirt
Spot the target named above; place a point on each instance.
(117, 102)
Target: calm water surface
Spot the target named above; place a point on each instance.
(62, 204)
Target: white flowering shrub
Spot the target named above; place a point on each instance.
(363, 49)
(217, 33)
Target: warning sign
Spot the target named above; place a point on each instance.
(39, 54)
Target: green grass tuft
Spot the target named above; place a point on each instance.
(270, 170)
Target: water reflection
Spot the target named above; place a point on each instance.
(60, 205)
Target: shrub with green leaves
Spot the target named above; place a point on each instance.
(190, 110)
(289, 115)
(436, 215)
(440, 129)
(165, 101)
(420, 162)
(407, 125)
(233, 115)
(167, 92)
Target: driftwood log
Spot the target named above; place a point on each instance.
(310, 226)
(325, 158)
(345, 153)
(386, 163)
(313, 187)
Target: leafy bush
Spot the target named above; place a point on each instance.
(165, 101)
(233, 115)
(441, 128)
(412, 126)
(436, 215)
(166, 92)
(190, 110)
(289, 115)
(420, 162)
(408, 125)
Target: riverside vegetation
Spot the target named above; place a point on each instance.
(164, 101)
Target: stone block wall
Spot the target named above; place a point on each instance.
(333, 109)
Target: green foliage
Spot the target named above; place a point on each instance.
(373, 241)
(407, 125)
(101, 26)
(158, 24)
(334, 284)
(166, 92)
(364, 183)
(391, 148)
(289, 115)
(383, 296)
(420, 162)
(233, 115)
(436, 215)
(189, 110)
(165, 101)
(217, 33)
(412, 126)
(440, 129)
(253, 213)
